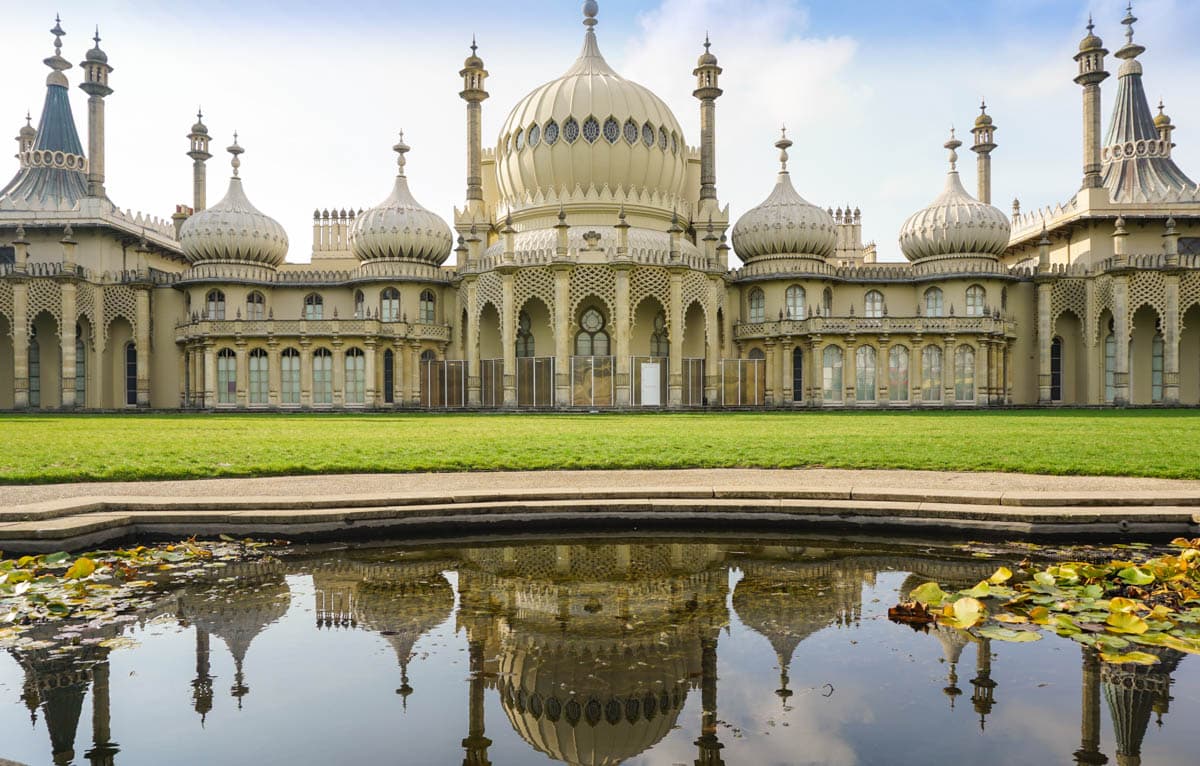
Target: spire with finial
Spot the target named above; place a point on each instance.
(952, 145)
(235, 149)
(58, 33)
(57, 62)
(1130, 50)
(401, 149)
(590, 9)
(783, 144)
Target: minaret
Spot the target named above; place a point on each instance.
(476, 743)
(1091, 73)
(1162, 122)
(474, 78)
(709, 747)
(984, 698)
(26, 138)
(199, 153)
(707, 74)
(95, 84)
(985, 142)
(1089, 753)
(202, 688)
(104, 750)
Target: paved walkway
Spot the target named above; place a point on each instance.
(743, 478)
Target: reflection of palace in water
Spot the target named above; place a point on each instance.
(591, 650)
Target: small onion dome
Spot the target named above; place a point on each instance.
(955, 223)
(473, 61)
(28, 132)
(1161, 120)
(233, 230)
(95, 54)
(399, 228)
(784, 223)
(984, 119)
(707, 58)
(1090, 42)
(200, 128)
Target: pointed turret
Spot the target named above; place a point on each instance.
(198, 141)
(1091, 73)
(474, 79)
(985, 141)
(707, 73)
(95, 84)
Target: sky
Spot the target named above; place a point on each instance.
(868, 91)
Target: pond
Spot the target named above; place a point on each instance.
(664, 651)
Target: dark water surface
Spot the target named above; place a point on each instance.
(666, 651)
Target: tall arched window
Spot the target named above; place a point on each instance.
(259, 376)
(975, 301)
(1056, 360)
(428, 355)
(660, 343)
(215, 305)
(356, 376)
(131, 374)
(80, 369)
(525, 341)
(389, 376)
(314, 307)
(827, 301)
(831, 385)
(592, 338)
(256, 306)
(35, 371)
(931, 373)
(226, 376)
(1110, 367)
(898, 374)
(428, 307)
(289, 376)
(795, 302)
(797, 374)
(1156, 368)
(864, 374)
(758, 305)
(873, 304)
(964, 374)
(360, 305)
(389, 305)
(322, 376)
(933, 302)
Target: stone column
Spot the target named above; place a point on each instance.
(306, 376)
(1121, 333)
(883, 377)
(274, 373)
(712, 345)
(398, 365)
(66, 335)
(242, 396)
(676, 340)
(370, 386)
(850, 373)
(1044, 293)
(507, 340)
(982, 372)
(785, 372)
(623, 383)
(1089, 725)
(142, 344)
(1170, 330)
(770, 372)
(916, 374)
(948, 380)
(339, 373)
(816, 378)
(562, 335)
(414, 378)
(21, 332)
(1008, 372)
(210, 375)
(472, 351)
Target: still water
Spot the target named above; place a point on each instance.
(653, 651)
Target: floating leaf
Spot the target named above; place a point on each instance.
(53, 559)
(1135, 658)
(1001, 575)
(1012, 619)
(1006, 634)
(1127, 622)
(930, 593)
(1136, 575)
(981, 590)
(83, 567)
(964, 613)
(1044, 578)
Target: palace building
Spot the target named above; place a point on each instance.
(591, 269)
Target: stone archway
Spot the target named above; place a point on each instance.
(1189, 357)
(1071, 365)
(1145, 352)
(643, 328)
(45, 363)
(540, 325)
(7, 370)
(113, 373)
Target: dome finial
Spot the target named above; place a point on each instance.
(707, 42)
(235, 150)
(58, 33)
(401, 149)
(1128, 21)
(590, 9)
(783, 144)
(953, 144)
(474, 46)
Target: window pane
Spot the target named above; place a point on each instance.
(864, 384)
(898, 374)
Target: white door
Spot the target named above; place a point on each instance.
(651, 390)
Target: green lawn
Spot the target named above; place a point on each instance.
(52, 448)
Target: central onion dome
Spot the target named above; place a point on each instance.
(785, 223)
(399, 228)
(591, 128)
(955, 224)
(233, 230)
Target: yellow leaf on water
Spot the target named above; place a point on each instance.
(965, 613)
(1003, 574)
(1014, 619)
(1126, 622)
(83, 567)
(1136, 658)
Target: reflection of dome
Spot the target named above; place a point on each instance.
(954, 224)
(403, 610)
(1134, 693)
(591, 128)
(399, 228)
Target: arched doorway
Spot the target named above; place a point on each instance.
(113, 372)
(695, 328)
(1189, 357)
(1069, 384)
(1145, 358)
(45, 364)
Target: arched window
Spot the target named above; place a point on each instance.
(525, 343)
(864, 374)
(360, 305)
(831, 386)
(131, 374)
(933, 302)
(322, 376)
(80, 369)
(795, 302)
(592, 338)
(356, 376)
(259, 376)
(975, 300)
(428, 306)
(35, 371)
(827, 301)
(873, 304)
(389, 305)
(931, 373)
(1110, 367)
(1156, 368)
(898, 374)
(314, 307)
(758, 305)
(289, 376)
(1056, 360)
(389, 375)
(226, 376)
(428, 355)
(797, 374)
(215, 305)
(964, 374)
(256, 306)
(660, 343)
